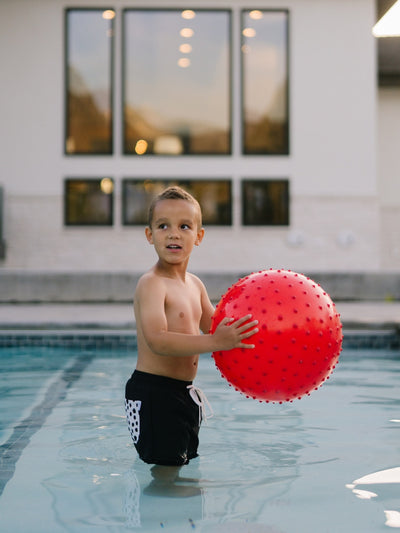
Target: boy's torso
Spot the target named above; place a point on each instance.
(183, 311)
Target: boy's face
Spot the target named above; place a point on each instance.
(174, 230)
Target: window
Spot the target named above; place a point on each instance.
(88, 121)
(177, 78)
(265, 202)
(177, 89)
(88, 202)
(214, 197)
(265, 82)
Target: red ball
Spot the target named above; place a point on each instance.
(298, 342)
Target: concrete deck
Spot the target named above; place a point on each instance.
(354, 315)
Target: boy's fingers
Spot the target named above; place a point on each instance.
(245, 345)
(248, 326)
(249, 333)
(241, 320)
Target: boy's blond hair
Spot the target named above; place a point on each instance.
(175, 193)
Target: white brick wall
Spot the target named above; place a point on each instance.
(326, 234)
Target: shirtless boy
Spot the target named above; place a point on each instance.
(172, 308)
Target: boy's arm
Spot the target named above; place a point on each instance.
(150, 301)
(207, 310)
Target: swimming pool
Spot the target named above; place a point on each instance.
(68, 465)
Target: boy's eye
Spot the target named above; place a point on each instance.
(162, 226)
(185, 226)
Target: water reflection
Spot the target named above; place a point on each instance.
(242, 469)
(379, 481)
(152, 501)
(207, 505)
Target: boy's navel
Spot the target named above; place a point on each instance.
(181, 314)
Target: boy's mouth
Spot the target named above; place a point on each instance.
(174, 246)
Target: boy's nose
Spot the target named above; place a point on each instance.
(173, 234)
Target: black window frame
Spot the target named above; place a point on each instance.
(249, 211)
(66, 152)
(244, 151)
(92, 180)
(230, 150)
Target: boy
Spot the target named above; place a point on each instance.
(171, 307)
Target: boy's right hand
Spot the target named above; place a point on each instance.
(230, 333)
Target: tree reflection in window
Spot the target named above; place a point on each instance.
(88, 202)
(265, 202)
(214, 197)
(265, 120)
(89, 38)
(177, 82)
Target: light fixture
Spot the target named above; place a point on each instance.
(141, 147)
(106, 185)
(389, 24)
(185, 48)
(108, 14)
(256, 14)
(188, 14)
(168, 145)
(249, 32)
(186, 32)
(184, 62)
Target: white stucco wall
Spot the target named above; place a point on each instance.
(335, 211)
(389, 176)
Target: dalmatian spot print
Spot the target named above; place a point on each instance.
(132, 409)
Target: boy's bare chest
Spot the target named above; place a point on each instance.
(183, 308)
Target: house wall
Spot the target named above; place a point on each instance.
(389, 177)
(337, 214)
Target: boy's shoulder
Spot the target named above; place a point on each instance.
(148, 279)
(148, 276)
(195, 279)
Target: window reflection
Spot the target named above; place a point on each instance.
(89, 36)
(177, 81)
(265, 82)
(88, 202)
(214, 197)
(265, 202)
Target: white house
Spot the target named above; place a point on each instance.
(331, 149)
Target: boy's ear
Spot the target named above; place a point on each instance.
(199, 238)
(149, 234)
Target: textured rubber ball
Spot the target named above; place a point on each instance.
(299, 339)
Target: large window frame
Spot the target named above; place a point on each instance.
(270, 136)
(96, 120)
(175, 143)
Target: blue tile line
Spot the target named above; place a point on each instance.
(105, 340)
(69, 339)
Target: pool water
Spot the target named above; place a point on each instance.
(329, 463)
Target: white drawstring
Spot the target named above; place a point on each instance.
(200, 399)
